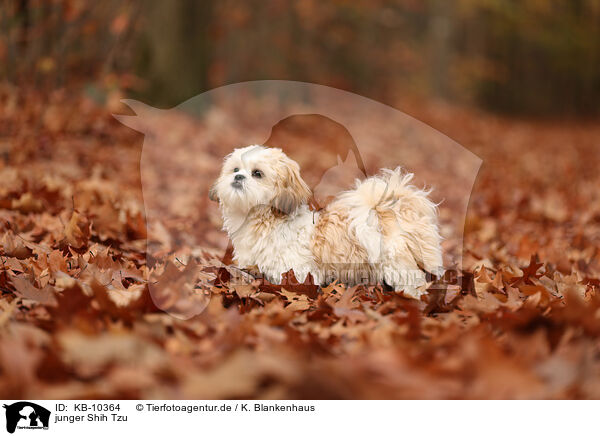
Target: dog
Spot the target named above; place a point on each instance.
(385, 230)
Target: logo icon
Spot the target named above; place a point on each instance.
(26, 415)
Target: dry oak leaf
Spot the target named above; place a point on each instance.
(176, 292)
(345, 307)
(91, 354)
(77, 230)
(15, 246)
(27, 203)
(297, 301)
(245, 290)
(25, 289)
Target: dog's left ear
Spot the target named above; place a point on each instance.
(292, 190)
(212, 192)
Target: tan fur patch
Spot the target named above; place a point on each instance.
(388, 220)
(338, 254)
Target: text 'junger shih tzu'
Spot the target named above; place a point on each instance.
(385, 230)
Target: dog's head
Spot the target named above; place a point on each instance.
(256, 175)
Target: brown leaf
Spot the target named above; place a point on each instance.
(77, 230)
(25, 289)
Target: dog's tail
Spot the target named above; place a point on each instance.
(389, 199)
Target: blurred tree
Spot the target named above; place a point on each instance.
(440, 49)
(174, 51)
(544, 56)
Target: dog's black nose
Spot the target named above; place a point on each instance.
(239, 177)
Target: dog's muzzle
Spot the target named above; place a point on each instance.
(237, 181)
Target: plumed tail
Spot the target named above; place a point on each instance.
(388, 204)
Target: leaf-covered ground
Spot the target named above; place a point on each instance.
(77, 320)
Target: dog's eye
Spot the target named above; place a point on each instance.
(257, 173)
(235, 170)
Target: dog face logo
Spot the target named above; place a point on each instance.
(26, 415)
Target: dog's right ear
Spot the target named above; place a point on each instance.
(212, 193)
(291, 191)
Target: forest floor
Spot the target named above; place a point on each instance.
(77, 320)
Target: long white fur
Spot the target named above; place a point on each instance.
(392, 221)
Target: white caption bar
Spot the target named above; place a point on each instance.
(158, 417)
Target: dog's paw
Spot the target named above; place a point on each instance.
(414, 292)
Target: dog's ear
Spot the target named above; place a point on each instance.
(212, 192)
(292, 191)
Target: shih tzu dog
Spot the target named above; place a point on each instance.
(384, 230)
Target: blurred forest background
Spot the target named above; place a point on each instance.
(523, 57)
